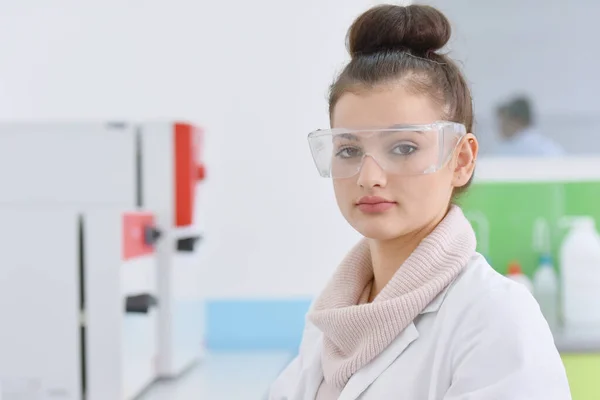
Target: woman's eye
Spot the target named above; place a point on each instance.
(348, 152)
(404, 149)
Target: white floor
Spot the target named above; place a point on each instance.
(224, 376)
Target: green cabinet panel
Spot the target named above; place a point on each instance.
(510, 209)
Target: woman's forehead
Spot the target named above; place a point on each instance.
(383, 108)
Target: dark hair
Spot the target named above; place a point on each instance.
(518, 109)
(388, 43)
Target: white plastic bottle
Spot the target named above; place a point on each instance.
(516, 274)
(580, 274)
(545, 290)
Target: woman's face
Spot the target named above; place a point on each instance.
(413, 202)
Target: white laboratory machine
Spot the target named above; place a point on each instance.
(78, 297)
(151, 166)
(171, 168)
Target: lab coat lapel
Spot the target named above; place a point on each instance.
(312, 377)
(362, 379)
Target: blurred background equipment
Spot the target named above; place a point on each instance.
(131, 285)
(78, 303)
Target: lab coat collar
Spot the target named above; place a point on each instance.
(437, 302)
(308, 385)
(362, 379)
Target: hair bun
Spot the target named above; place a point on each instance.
(417, 28)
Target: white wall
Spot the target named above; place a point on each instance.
(253, 73)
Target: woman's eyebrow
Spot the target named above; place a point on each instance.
(348, 136)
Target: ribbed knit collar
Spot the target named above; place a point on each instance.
(355, 333)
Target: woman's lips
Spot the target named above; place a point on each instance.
(374, 204)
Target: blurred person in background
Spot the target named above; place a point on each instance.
(413, 311)
(520, 137)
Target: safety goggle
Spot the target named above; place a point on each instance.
(406, 149)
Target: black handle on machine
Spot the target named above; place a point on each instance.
(140, 303)
(188, 244)
(151, 235)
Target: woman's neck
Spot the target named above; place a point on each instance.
(388, 255)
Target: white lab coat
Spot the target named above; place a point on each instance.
(529, 143)
(483, 338)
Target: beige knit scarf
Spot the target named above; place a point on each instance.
(355, 332)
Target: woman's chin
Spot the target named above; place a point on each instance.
(379, 231)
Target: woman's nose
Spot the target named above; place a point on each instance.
(371, 174)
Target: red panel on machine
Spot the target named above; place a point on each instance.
(188, 171)
(134, 234)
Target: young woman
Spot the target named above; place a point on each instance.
(413, 312)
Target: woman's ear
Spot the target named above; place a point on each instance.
(464, 165)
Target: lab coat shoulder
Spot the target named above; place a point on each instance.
(502, 345)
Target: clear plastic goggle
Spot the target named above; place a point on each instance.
(400, 150)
